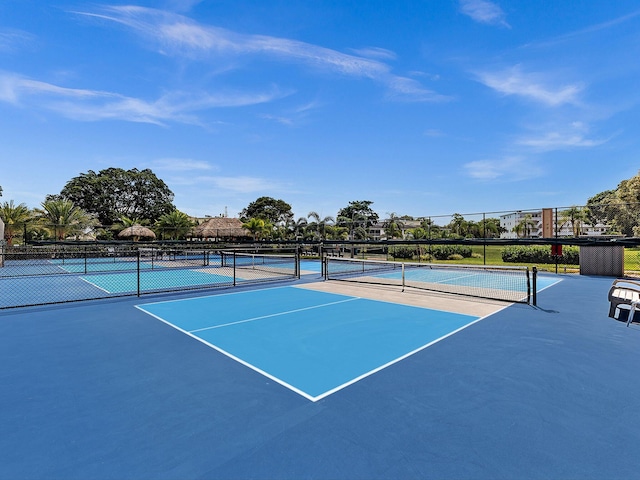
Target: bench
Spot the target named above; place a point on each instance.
(624, 295)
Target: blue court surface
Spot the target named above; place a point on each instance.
(104, 390)
(125, 282)
(314, 343)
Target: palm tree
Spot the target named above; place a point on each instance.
(64, 218)
(299, 227)
(393, 226)
(15, 217)
(524, 226)
(574, 216)
(458, 225)
(320, 224)
(174, 224)
(258, 227)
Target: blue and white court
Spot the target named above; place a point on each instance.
(314, 343)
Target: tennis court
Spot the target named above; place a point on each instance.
(314, 343)
(39, 281)
(321, 379)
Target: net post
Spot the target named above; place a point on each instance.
(534, 275)
(85, 260)
(403, 276)
(234, 268)
(297, 260)
(138, 271)
(324, 259)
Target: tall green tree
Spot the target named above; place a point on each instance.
(490, 228)
(268, 209)
(14, 217)
(357, 217)
(62, 218)
(458, 225)
(114, 192)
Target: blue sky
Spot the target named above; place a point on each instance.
(423, 107)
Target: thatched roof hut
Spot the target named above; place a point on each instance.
(136, 232)
(221, 227)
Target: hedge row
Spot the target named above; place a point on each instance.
(540, 254)
(438, 252)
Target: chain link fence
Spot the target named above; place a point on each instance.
(47, 274)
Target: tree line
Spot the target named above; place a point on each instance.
(99, 205)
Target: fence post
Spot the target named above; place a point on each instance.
(484, 239)
(138, 271)
(534, 276)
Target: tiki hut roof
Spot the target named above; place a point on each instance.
(217, 227)
(137, 231)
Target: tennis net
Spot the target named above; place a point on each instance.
(260, 264)
(512, 284)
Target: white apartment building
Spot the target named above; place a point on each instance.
(542, 224)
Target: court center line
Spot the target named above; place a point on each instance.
(274, 315)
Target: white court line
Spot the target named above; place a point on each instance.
(273, 315)
(94, 285)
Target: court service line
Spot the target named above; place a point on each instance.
(274, 315)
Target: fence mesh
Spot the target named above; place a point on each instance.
(57, 274)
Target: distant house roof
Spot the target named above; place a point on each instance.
(217, 227)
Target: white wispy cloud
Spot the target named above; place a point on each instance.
(93, 105)
(182, 5)
(483, 11)
(559, 140)
(596, 28)
(242, 184)
(534, 86)
(434, 132)
(178, 35)
(556, 140)
(375, 52)
(514, 168)
(12, 40)
(182, 164)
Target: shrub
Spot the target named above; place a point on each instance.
(403, 251)
(443, 252)
(539, 254)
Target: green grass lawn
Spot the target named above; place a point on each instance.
(492, 255)
(632, 259)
